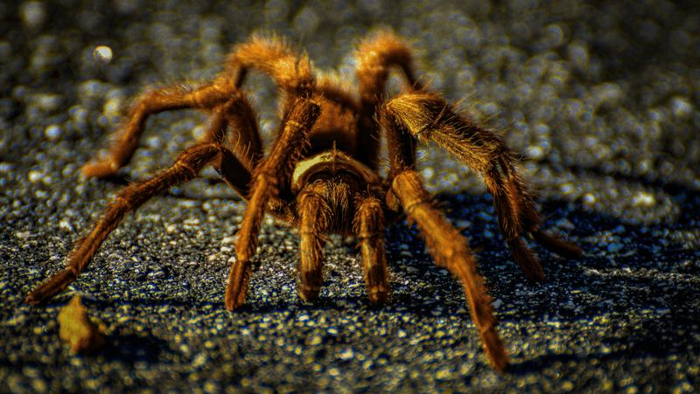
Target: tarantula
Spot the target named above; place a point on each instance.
(321, 172)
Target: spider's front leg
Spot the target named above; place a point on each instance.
(428, 117)
(447, 246)
(451, 250)
(268, 177)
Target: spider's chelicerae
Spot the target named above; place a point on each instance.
(320, 174)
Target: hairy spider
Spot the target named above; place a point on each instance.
(321, 176)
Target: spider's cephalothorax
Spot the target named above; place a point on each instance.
(320, 174)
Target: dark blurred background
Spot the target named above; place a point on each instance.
(600, 98)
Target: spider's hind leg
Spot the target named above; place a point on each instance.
(272, 55)
(186, 167)
(376, 56)
(127, 200)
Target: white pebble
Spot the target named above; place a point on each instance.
(643, 199)
(681, 107)
(53, 132)
(102, 54)
(33, 13)
(34, 176)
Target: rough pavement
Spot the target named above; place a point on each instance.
(601, 100)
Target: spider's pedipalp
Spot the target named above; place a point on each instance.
(315, 218)
(369, 228)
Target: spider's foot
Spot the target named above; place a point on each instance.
(554, 244)
(495, 350)
(49, 288)
(526, 260)
(237, 287)
(99, 169)
(378, 294)
(32, 299)
(309, 293)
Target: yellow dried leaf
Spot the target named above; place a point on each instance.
(76, 329)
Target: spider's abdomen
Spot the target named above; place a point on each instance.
(335, 128)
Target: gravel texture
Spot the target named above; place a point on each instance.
(601, 99)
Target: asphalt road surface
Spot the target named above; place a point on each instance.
(600, 99)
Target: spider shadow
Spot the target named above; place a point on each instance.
(442, 295)
(687, 196)
(124, 345)
(646, 340)
(608, 281)
(134, 348)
